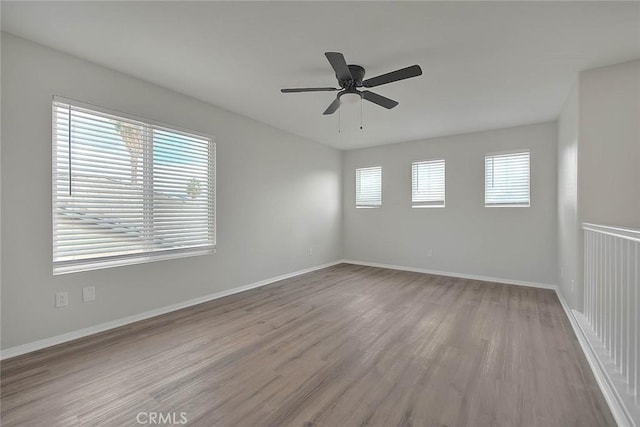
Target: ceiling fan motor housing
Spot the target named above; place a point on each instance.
(357, 75)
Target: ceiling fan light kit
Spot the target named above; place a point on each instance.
(351, 78)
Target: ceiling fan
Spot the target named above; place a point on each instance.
(350, 79)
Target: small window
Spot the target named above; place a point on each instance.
(428, 184)
(507, 179)
(369, 187)
(127, 191)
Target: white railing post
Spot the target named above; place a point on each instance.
(612, 299)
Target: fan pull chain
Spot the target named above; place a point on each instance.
(338, 120)
(361, 113)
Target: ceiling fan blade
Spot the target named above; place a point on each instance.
(394, 76)
(308, 89)
(333, 107)
(379, 99)
(336, 59)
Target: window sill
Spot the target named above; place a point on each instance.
(80, 266)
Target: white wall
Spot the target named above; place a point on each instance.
(569, 276)
(598, 163)
(277, 196)
(609, 145)
(465, 237)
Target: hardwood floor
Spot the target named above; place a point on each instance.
(344, 346)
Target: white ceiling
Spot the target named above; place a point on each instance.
(485, 64)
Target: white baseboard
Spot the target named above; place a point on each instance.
(450, 274)
(81, 333)
(595, 358)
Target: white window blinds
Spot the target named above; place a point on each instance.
(507, 179)
(428, 183)
(127, 191)
(369, 187)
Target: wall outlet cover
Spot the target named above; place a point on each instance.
(62, 299)
(89, 293)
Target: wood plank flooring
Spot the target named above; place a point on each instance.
(344, 346)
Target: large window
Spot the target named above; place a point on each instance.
(507, 179)
(369, 187)
(127, 191)
(428, 184)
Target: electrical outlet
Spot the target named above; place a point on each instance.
(310, 251)
(62, 299)
(89, 294)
